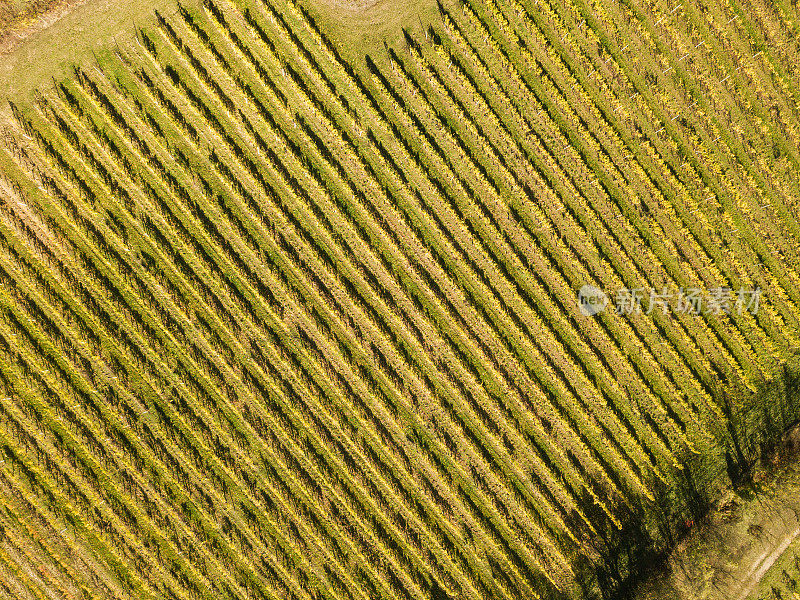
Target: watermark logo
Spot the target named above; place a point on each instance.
(591, 300)
(693, 301)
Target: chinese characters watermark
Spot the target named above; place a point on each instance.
(694, 301)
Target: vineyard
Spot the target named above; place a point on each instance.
(285, 319)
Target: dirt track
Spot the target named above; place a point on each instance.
(15, 26)
(726, 558)
(759, 569)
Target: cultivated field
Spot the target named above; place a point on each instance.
(282, 320)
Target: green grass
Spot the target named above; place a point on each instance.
(93, 28)
(359, 32)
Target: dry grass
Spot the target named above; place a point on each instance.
(17, 13)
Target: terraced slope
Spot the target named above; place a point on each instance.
(276, 326)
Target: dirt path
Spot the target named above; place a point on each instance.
(29, 23)
(727, 558)
(759, 569)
